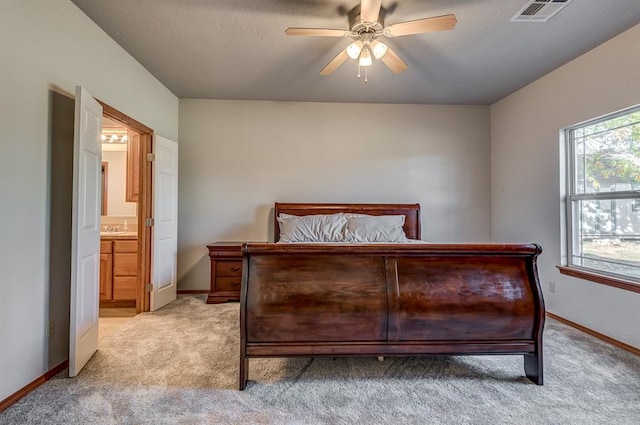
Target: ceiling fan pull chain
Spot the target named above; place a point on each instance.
(366, 80)
(359, 71)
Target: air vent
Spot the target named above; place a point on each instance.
(539, 10)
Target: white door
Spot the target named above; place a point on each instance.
(164, 246)
(85, 239)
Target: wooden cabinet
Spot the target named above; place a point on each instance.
(226, 271)
(125, 269)
(106, 271)
(133, 166)
(118, 272)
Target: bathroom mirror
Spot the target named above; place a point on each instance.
(114, 182)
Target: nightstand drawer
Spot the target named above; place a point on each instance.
(226, 271)
(228, 268)
(228, 283)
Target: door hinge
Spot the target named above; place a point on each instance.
(151, 157)
(148, 287)
(149, 222)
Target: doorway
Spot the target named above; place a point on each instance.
(85, 224)
(118, 225)
(125, 246)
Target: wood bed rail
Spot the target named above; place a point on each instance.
(391, 300)
(390, 249)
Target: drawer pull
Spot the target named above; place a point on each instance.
(235, 269)
(235, 284)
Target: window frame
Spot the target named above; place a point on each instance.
(572, 198)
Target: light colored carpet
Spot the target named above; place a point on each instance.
(110, 324)
(179, 366)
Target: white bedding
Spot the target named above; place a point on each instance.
(342, 228)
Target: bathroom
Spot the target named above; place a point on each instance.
(119, 258)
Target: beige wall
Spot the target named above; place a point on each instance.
(526, 179)
(239, 157)
(45, 46)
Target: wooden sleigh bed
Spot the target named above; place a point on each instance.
(403, 299)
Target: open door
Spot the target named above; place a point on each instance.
(85, 239)
(164, 245)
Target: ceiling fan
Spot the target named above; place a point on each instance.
(366, 25)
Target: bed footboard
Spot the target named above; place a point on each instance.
(391, 300)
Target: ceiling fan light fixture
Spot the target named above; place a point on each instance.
(379, 49)
(354, 49)
(365, 57)
(366, 24)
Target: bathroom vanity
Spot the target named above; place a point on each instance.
(118, 269)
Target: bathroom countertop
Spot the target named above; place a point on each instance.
(118, 235)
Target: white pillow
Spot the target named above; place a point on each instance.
(312, 228)
(381, 228)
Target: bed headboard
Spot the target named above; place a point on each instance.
(410, 211)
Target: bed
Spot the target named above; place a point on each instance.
(388, 299)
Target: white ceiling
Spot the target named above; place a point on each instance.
(237, 49)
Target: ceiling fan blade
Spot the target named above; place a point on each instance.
(437, 23)
(317, 32)
(335, 63)
(369, 10)
(393, 62)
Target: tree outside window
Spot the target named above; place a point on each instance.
(603, 203)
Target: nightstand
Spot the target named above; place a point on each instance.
(226, 271)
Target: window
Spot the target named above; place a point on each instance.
(603, 196)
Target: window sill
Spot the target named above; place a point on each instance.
(598, 278)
